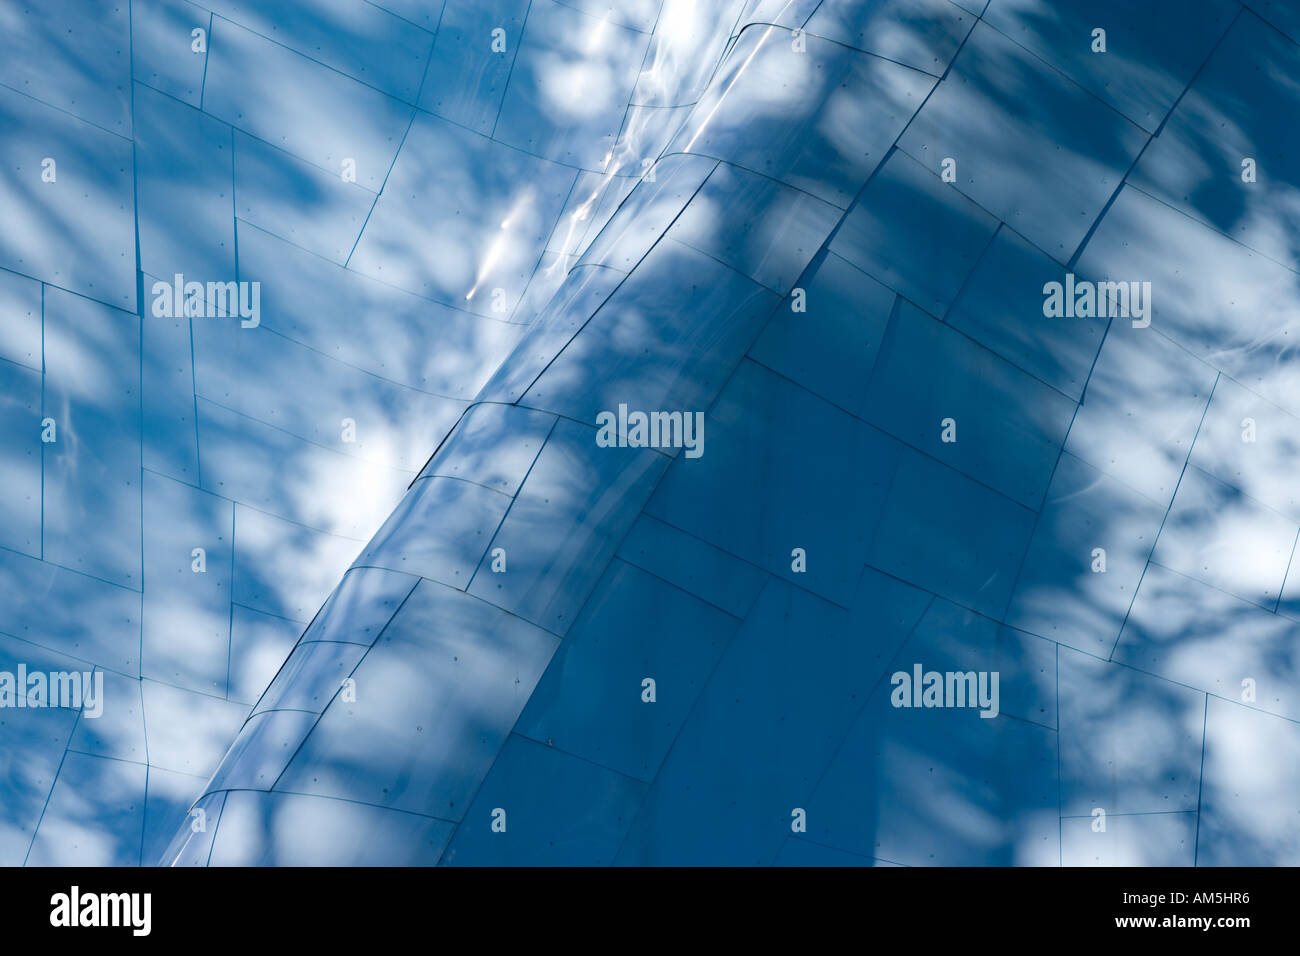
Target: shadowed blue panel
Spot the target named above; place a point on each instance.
(492, 445)
(1280, 14)
(192, 843)
(284, 829)
(118, 730)
(830, 347)
(183, 162)
(310, 207)
(914, 234)
(311, 676)
(92, 472)
(20, 330)
(823, 494)
(285, 568)
(405, 338)
(78, 830)
(559, 811)
(1130, 743)
(877, 549)
(293, 478)
(1199, 636)
(1240, 313)
(769, 110)
(922, 34)
(944, 532)
(586, 498)
(1197, 163)
(594, 199)
(495, 206)
(952, 639)
(422, 13)
(771, 717)
(74, 55)
(361, 606)
(72, 613)
(1031, 147)
(467, 76)
(435, 698)
(365, 418)
(439, 531)
(355, 37)
(592, 700)
(186, 633)
(1067, 591)
(83, 230)
(327, 119)
(29, 761)
(1250, 443)
(1289, 603)
(169, 429)
(698, 568)
(758, 226)
(940, 787)
(649, 210)
(662, 344)
(1000, 306)
(584, 291)
(264, 747)
(259, 644)
(188, 732)
(1007, 427)
(1151, 50)
(15, 652)
(162, 47)
(570, 84)
(20, 468)
(168, 797)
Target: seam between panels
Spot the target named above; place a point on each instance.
(54, 782)
(1155, 541)
(613, 555)
(605, 301)
(510, 507)
(505, 89)
(1070, 265)
(1200, 783)
(858, 713)
(335, 799)
(333, 697)
(374, 203)
(1060, 795)
(216, 829)
(141, 311)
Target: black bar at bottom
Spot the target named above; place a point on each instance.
(333, 906)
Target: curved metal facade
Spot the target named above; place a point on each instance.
(773, 356)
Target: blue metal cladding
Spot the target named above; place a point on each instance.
(592, 423)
